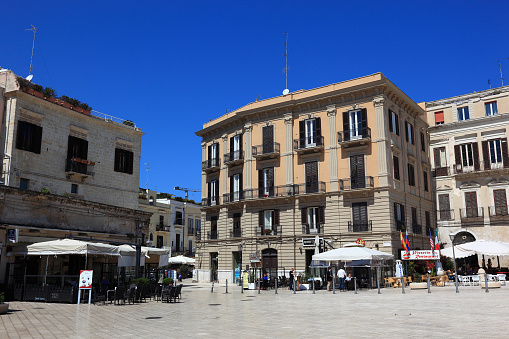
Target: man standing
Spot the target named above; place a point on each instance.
(341, 276)
(329, 279)
(291, 278)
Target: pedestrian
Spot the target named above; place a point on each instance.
(329, 279)
(291, 278)
(341, 276)
(348, 282)
(265, 281)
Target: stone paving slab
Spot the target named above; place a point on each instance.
(417, 313)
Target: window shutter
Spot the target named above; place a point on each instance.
(486, 155)
(209, 195)
(231, 183)
(240, 143)
(321, 215)
(406, 130)
(397, 124)
(396, 211)
(364, 120)
(346, 125)
(505, 155)
(217, 190)
(260, 181)
(217, 154)
(232, 148)
(261, 219)
(130, 159)
(241, 187)
(436, 153)
(457, 157)
(395, 160)
(37, 139)
(318, 127)
(403, 214)
(270, 177)
(84, 149)
(302, 131)
(390, 121)
(303, 216)
(209, 152)
(276, 218)
(423, 142)
(475, 150)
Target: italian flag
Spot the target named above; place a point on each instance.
(437, 246)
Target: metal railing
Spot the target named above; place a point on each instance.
(276, 191)
(354, 134)
(236, 233)
(400, 225)
(360, 226)
(274, 230)
(161, 228)
(310, 187)
(445, 215)
(308, 142)
(306, 229)
(270, 148)
(233, 156)
(77, 167)
(416, 229)
(179, 221)
(198, 234)
(498, 211)
(233, 197)
(440, 171)
(470, 213)
(210, 201)
(211, 163)
(212, 235)
(356, 183)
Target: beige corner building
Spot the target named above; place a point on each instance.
(336, 164)
(468, 142)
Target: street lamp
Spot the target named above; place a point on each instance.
(451, 235)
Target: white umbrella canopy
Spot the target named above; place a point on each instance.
(486, 247)
(458, 252)
(180, 259)
(352, 252)
(70, 246)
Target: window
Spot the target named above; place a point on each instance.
(423, 142)
(268, 139)
(467, 155)
(399, 216)
(427, 216)
(197, 223)
(236, 187)
(213, 192)
(160, 241)
(29, 137)
(440, 158)
(236, 225)
(463, 113)
(439, 118)
(393, 122)
(311, 172)
(178, 218)
(409, 133)
(312, 218)
(395, 160)
(213, 155)
(190, 244)
(23, 183)
(190, 226)
(236, 147)
(213, 227)
(471, 210)
(416, 228)
(491, 108)
(411, 175)
(495, 151)
(360, 216)
(77, 148)
(355, 125)
(444, 207)
(268, 221)
(123, 161)
(499, 196)
(161, 220)
(74, 188)
(425, 180)
(266, 182)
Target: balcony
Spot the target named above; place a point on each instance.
(162, 228)
(233, 158)
(208, 202)
(498, 212)
(461, 170)
(211, 164)
(416, 229)
(360, 226)
(355, 183)
(236, 233)
(400, 225)
(440, 172)
(445, 215)
(306, 229)
(212, 235)
(308, 145)
(310, 188)
(470, 214)
(275, 191)
(274, 230)
(233, 197)
(179, 222)
(265, 151)
(354, 137)
(79, 167)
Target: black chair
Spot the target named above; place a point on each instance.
(157, 294)
(167, 293)
(119, 295)
(179, 291)
(131, 295)
(98, 297)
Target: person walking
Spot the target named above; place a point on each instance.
(291, 278)
(341, 276)
(329, 279)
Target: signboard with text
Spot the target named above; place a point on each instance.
(420, 255)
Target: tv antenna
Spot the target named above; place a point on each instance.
(501, 77)
(147, 168)
(34, 29)
(285, 70)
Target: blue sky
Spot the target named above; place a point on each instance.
(171, 66)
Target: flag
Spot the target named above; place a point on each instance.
(431, 242)
(437, 246)
(402, 241)
(407, 243)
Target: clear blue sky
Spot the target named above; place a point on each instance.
(171, 66)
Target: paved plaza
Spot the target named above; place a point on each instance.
(200, 313)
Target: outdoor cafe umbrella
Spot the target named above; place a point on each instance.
(180, 259)
(484, 247)
(352, 252)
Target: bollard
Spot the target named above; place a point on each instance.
(226, 285)
(313, 282)
(333, 284)
(486, 281)
(212, 289)
(403, 285)
(242, 285)
(429, 290)
(378, 278)
(275, 285)
(259, 286)
(294, 286)
(355, 284)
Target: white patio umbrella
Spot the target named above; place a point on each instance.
(485, 247)
(352, 252)
(180, 259)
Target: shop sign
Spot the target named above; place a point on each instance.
(420, 255)
(12, 235)
(310, 242)
(85, 279)
(254, 258)
(360, 241)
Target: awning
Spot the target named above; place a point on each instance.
(70, 246)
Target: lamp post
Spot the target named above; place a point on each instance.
(241, 276)
(451, 235)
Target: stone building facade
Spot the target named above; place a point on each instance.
(470, 158)
(310, 171)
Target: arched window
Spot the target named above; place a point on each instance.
(463, 237)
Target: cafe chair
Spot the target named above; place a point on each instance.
(476, 280)
(501, 278)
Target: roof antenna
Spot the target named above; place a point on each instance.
(285, 70)
(501, 77)
(489, 83)
(34, 29)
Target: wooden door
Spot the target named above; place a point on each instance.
(471, 204)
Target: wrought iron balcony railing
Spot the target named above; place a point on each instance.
(416, 229)
(498, 211)
(360, 226)
(211, 163)
(310, 187)
(400, 225)
(215, 201)
(308, 143)
(233, 157)
(79, 166)
(307, 229)
(273, 230)
(236, 233)
(440, 171)
(266, 149)
(354, 183)
(445, 215)
(276, 191)
(354, 135)
(472, 213)
(212, 235)
(233, 197)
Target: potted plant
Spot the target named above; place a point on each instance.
(167, 281)
(3, 306)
